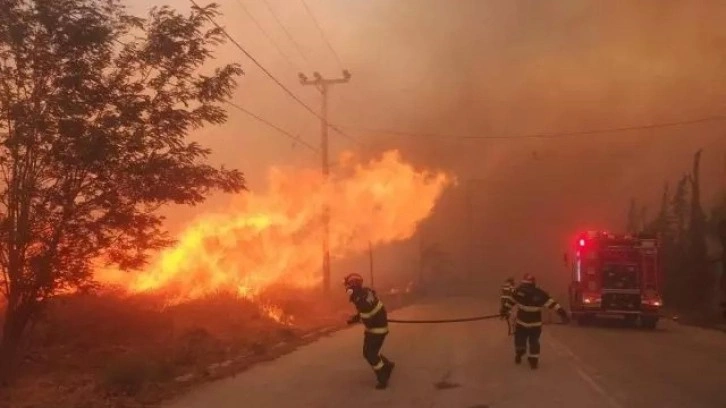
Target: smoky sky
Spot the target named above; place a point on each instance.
(481, 68)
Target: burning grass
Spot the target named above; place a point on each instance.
(113, 350)
(214, 295)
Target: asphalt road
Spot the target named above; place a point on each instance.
(468, 365)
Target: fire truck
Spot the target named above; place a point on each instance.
(616, 275)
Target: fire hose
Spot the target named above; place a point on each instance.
(459, 320)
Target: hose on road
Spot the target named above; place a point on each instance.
(459, 320)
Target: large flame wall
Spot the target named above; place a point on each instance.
(265, 238)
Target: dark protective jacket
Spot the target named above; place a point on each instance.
(530, 300)
(370, 310)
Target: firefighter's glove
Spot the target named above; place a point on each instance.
(563, 315)
(353, 319)
(503, 314)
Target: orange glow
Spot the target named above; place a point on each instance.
(275, 237)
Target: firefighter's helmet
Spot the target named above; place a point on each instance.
(353, 280)
(529, 278)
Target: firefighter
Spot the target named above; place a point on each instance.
(375, 319)
(506, 294)
(530, 300)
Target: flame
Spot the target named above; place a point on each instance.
(277, 314)
(275, 237)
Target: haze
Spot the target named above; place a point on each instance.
(489, 69)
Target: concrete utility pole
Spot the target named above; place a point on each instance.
(323, 85)
(370, 261)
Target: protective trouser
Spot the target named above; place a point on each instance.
(372, 343)
(524, 335)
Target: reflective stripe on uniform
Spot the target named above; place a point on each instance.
(507, 297)
(551, 302)
(529, 308)
(377, 330)
(523, 324)
(373, 312)
(379, 365)
(533, 356)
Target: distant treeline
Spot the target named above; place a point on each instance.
(687, 231)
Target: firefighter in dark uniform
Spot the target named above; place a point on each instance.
(530, 300)
(375, 319)
(506, 294)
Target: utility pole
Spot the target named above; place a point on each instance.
(323, 84)
(370, 261)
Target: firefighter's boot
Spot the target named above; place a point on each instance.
(518, 357)
(384, 374)
(533, 362)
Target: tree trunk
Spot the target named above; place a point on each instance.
(16, 319)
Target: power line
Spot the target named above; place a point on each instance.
(322, 34)
(269, 74)
(340, 132)
(290, 37)
(267, 35)
(272, 125)
(549, 135)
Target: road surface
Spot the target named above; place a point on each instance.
(468, 365)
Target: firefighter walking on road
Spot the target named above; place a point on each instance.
(375, 319)
(529, 300)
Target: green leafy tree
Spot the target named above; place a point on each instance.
(95, 107)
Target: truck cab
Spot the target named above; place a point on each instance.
(616, 275)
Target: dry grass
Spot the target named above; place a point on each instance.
(108, 350)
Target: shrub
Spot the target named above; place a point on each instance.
(129, 374)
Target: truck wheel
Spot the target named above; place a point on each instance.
(649, 322)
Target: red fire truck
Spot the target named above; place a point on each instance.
(616, 275)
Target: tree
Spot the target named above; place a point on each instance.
(661, 224)
(642, 219)
(718, 229)
(633, 218)
(680, 207)
(95, 106)
(697, 248)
